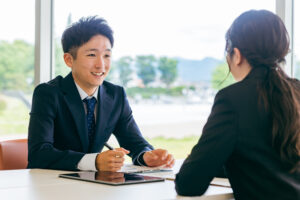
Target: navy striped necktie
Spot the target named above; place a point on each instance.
(90, 117)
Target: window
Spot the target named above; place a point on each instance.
(169, 56)
(16, 66)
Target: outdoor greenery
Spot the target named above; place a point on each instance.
(168, 69)
(16, 65)
(2, 105)
(180, 148)
(149, 92)
(122, 69)
(14, 116)
(145, 68)
(125, 69)
(222, 77)
(60, 67)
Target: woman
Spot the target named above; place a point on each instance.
(253, 131)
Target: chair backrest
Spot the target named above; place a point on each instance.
(13, 154)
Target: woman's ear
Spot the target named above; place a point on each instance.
(68, 58)
(238, 58)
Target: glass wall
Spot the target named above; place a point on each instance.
(169, 56)
(16, 66)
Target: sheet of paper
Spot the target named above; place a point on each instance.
(130, 168)
(169, 175)
(220, 182)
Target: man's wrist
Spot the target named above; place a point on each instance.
(140, 159)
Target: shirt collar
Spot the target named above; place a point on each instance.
(84, 95)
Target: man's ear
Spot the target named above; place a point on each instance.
(68, 58)
(238, 57)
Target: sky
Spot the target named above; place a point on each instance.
(191, 29)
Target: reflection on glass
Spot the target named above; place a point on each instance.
(116, 177)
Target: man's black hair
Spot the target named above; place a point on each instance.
(82, 31)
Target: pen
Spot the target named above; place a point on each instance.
(108, 146)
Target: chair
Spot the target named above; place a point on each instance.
(13, 154)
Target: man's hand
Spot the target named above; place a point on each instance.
(159, 157)
(111, 160)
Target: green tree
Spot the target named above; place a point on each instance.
(60, 67)
(221, 77)
(168, 69)
(112, 72)
(146, 68)
(124, 68)
(16, 65)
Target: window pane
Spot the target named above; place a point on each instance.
(182, 44)
(16, 66)
(296, 39)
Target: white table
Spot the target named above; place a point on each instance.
(41, 184)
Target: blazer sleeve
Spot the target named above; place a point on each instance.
(41, 151)
(209, 155)
(128, 133)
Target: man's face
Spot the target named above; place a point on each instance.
(92, 63)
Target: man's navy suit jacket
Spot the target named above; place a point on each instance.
(58, 137)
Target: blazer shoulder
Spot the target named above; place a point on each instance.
(228, 91)
(241, 89)
(112, 88)
(49, 87)
(111, 85)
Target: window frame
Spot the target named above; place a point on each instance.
(44, 51)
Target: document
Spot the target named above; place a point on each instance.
(169, 175)
(224, 182)
(130, 168)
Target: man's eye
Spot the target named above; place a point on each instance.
(107, 56)
(92, 55)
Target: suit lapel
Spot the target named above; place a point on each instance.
(103, 112)
(76, 108)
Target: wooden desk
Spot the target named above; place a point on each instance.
(41, 184)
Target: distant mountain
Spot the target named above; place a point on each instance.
(197, 70)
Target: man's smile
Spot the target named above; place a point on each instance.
(98, 73)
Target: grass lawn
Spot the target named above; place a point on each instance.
(14, 117)
(180, 148)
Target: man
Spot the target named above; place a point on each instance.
(73, 117)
